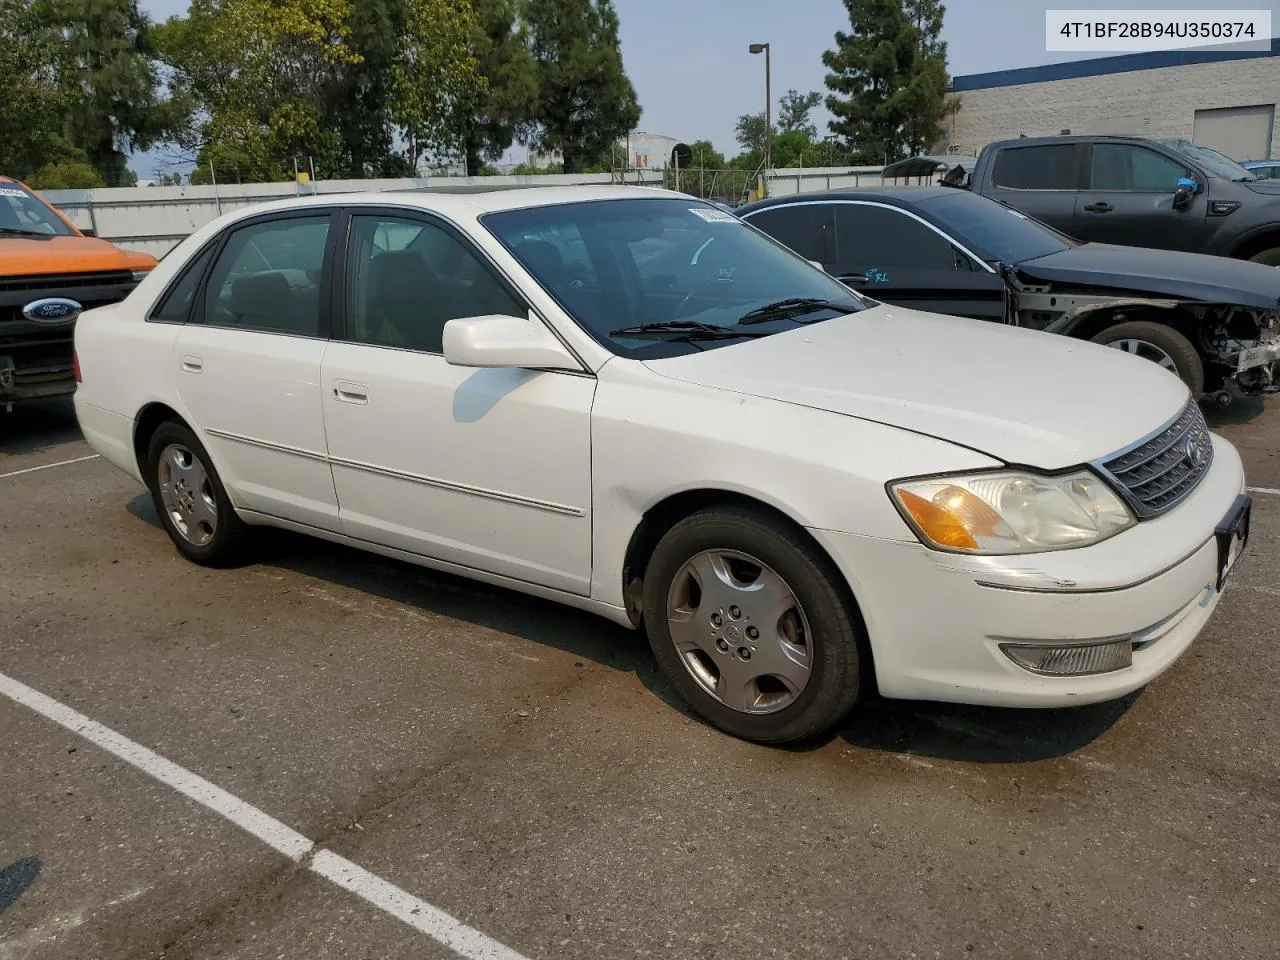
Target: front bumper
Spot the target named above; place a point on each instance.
(936, 620)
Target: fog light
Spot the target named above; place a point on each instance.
(1071, 660)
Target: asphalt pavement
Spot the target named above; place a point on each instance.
(519, 770)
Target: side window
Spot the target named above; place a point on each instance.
(1122, 166)
(1046, 167)
(877, 243)
(798, 226)
(268, 278)
(402, 296)
(177, 303)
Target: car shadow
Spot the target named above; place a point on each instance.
(947, 731)
(1242, 409)
(15, 879)
(935, 730)
(31, 428)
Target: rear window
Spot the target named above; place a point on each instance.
(1046, 167)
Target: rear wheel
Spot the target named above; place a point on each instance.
(190, 499)
(1159, 344)
(748, 623)
(1270, 257)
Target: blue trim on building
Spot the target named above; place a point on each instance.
(1101, 66)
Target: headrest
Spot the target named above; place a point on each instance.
(542, 258)
(261, 294)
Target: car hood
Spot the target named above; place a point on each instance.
(42, 256)
(1267, 187)
(1166, 273)
(1021, 396)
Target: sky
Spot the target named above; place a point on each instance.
(689, 61)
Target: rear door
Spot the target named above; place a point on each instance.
(890, 254)
(1129, 200)
(248, 365)
(1040, 180)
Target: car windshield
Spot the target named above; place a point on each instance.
(993, 230)
(1217, 164)
(658, 277)
(22, 212)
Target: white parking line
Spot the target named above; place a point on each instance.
(1269, 491)
(422, 916)
(48, 466)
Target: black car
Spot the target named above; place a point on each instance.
(1212, 320)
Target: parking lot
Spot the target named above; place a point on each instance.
(521, 768)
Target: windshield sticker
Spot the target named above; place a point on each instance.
(712, 215)
(11, 192)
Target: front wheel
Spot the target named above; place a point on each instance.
(747, 621)
(1270, 258)
(1159, 344)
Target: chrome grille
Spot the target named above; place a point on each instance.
(1161, 471)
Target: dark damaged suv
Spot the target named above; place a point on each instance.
(50, 272)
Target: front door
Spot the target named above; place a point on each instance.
(248, 367)
(1129, 201)
(489, 469)
(889, 255)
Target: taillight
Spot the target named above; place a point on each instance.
(75, 364)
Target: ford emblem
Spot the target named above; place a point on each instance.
(52, 310)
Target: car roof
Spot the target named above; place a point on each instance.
(469, 204)
(895, 196)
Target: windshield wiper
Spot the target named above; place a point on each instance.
(19, 232)
(682, 330)
(790, 307)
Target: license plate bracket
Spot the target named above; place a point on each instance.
(1232, 535)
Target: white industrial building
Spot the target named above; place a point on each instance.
(1225, 99)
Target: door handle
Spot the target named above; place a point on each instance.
(1099, 208)
(349, 391)
(192, 364)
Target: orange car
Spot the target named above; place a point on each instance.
(50, 272)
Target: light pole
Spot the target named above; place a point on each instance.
(768, 108)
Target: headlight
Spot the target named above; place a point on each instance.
(1011, 511)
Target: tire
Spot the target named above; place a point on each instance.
(1270, 257)
(1155, 339)
(215, 536)
(824, 673)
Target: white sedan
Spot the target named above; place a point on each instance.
(629, 401)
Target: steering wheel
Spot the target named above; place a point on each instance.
(724, 293)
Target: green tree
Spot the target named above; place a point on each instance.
(66, 176)
(31, 100)
(107, 77)
(434, 70)
(887, 78)
(705, 175)
(794, 110)
(751, 132)
(258, 73)
(492, 116)
(585, 101)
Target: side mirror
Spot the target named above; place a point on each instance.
(1185, 189)
(502, 341)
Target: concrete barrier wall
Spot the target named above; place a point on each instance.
(155, 219)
